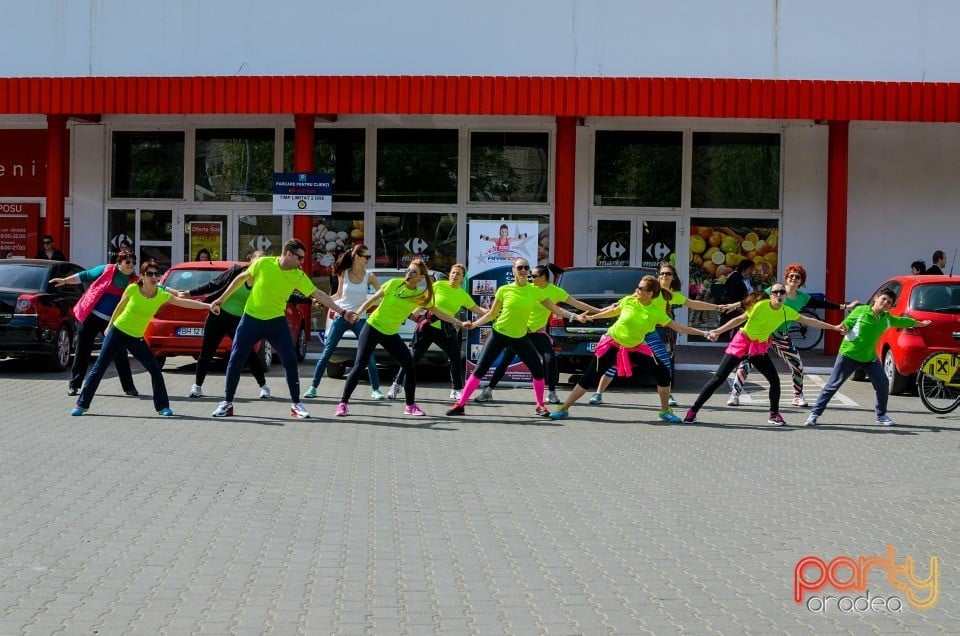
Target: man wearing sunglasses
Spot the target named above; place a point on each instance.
(48, 251)
(271, 281)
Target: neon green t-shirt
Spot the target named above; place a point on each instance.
(540, 314)
(449, 300)
(516, 304)
(635, 321)
(676, 300)
(864, 331)
(272, 287)
(237, 301)
(139, 310)
(398, 302)
(763, 320)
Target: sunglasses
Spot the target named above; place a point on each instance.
(666, 274)
(299, 255)
(48, 242)
(645, 289)
(792, 276)
(364, 255)
(128, 261)
(522, 267)
(778, 292)
(153, 274)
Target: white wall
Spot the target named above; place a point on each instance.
(903, 199)
(810, 39)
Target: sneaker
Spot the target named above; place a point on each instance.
(776, 419)
(72, 391)
(413, 409)
(542, 411)
(597, 398)
(690, 417)
(311, 392)
(456, 409)
(455, 395)
(799, 400)
(224, 409)
(486, 395)
(342, 410)
(671, 402)
(668, 416)
(133, 393)
(299, 411)
(77, 410)
(195, 391)
(733, 400)
(811, 420)
(165, 413)
(395, 391)
(264, 392)
(377, 395)
(560, 414)
(552, 397)
(885, 420)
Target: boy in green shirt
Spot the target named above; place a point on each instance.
(865, 325)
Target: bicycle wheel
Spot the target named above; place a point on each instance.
(804, 337)
(938, 382)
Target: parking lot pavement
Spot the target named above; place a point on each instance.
(497, 522)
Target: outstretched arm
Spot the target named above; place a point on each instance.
(562, 313)
(733, 323)
(491, 314)
(813, 322)
(690, 331)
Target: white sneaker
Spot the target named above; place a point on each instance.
(671, 402)
(299, 411)
(552, 397)
(264, 392)
(395, 391)
(224, 409)
(195, 391)
(734, 400)
(811, 420)
(486, 395)
(377, 395)
(454, 395)
(799, 400)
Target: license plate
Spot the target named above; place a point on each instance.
(190, 331)
(591, 347)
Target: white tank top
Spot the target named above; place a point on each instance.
(353, 295)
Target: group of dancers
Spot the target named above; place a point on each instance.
(247, 303)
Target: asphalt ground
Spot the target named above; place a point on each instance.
(122, 521)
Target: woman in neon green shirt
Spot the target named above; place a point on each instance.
(397, 298)
(449, 297)
(125, 330)
(763, 316)
(638, 316)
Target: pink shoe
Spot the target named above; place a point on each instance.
(413, 409)
(342, 410)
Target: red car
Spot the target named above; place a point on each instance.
(934, 298)
(177, 331)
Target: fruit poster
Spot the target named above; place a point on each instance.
(331, 237)
(717, 246)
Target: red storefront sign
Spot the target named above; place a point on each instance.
(23, 163)
(18, 228)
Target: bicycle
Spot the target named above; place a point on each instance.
(938, 382)
(805, 338)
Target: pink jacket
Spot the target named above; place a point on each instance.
(95, 292)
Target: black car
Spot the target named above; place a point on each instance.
(35, 318)
(575, 343)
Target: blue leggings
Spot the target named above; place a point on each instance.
(276, 331)
(117, 343)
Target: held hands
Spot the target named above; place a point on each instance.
(582, 317)
(842, 328)
(351, 316)
(214, 308)
(182, 294)
(712, 335)
(466, 325)
(725, 309)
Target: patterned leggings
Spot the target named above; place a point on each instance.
(655, 342)
(788, 353)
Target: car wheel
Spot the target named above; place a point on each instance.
(301, 344)
(896, 382)
(266, 355)
(60, 358)
(336, 370)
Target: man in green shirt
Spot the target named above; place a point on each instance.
(865, 325)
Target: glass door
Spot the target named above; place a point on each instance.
(202, 235)
(634, 240)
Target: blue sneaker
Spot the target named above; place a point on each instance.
(885, 420)
(560, 414)
(596, 398)
(78, 410)
(668, 416)
(165, 412)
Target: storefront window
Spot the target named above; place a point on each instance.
(543, 233)
(417, 166)
(638, 169)
(121, 232)
(234, 165)
(259, 232)
(156, 225)
(336, 151)
(333, 235)
(508, 167)
(736, 171)
(147, 165)
(402, 237)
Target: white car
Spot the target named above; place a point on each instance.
(346, 352)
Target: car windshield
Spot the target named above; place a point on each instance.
(26, 277)
(937, 297)
(595, 281)
(184, 279)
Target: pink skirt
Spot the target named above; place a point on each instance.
(742, 346)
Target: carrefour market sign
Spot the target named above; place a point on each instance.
(302, 193)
